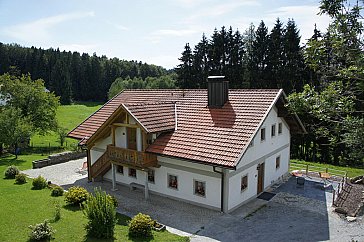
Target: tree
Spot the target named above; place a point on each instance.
(260, 55)
(27, 108)
(293, 58)
(334, 109)
(184, 70)
(275, 55)
(14, 129)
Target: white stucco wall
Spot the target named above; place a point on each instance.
(120, 137)
(186, 172)
(262, 151)
(99, 148)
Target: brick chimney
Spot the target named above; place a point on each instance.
(217, 91)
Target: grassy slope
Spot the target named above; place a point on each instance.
(68, 116)
(352, 172)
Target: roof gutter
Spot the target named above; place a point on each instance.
(222, 187)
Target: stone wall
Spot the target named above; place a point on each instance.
(58, 158)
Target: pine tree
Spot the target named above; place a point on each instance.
(275, 55)
(184, 70)
(293, 58)
(260, 56)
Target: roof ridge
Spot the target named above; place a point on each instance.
(149, 103)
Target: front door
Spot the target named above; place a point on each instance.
(131, 132)
(260, 178)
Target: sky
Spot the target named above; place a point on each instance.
(154, 32)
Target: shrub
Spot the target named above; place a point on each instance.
(101, 213)
(20, 178)
(76, 195)
(11, 172)
(141, 226)
(113, 200)
(57, 191)
(41, 232)
(39, 183)
(57, 211)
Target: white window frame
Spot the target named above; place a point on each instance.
(261, 134)
(117, 169)
(194, 188)
(153, 182)
(273, 128)
(129, 169)
(280, 124)
(279, 163)
(241, 183)
(170, 187)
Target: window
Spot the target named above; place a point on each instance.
(172, 181)
(273, 130)
(132, 172)
(262, 134)
(244, 183)
(151, 175)
(199, 188)
(278, 162)
(120, 169)
(279, 128)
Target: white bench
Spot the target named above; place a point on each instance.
(134, 186)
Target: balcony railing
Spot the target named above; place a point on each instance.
(131, 157)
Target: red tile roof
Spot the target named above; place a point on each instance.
(155, 117)
(215, 136)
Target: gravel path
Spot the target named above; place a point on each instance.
(294, 214)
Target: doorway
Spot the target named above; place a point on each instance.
(260, 186)
(131, 134)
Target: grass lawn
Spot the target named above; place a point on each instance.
(21, 207)
(352, 172)
(68, 116)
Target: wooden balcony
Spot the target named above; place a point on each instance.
(131, 157)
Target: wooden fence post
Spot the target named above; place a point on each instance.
(306, 170)
(327, 170)
(333, 197)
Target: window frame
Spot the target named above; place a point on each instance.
(120, 168)
(273, 131)
(169, 183)
(195, 187)
(280, 128)
(153, 171)
(262, 135)
(129, 172)
(278, 161)
(241, 183)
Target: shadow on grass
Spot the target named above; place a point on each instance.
(9, 159)
(88, 104)
(71, 207)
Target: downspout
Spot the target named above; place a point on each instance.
(222, 187)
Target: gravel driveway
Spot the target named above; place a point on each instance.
(294, 214)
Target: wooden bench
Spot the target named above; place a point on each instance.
(134, 186)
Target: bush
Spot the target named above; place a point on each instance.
(57, 191)
(113, 200)
(41, 232)
(21, 178)
(76, 195)
(101, 213)
(141, 226)
(39, 183)
(11, 172)
(57, 211)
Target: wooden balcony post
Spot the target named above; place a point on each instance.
(139, 139)
(113, 168)
(146, 189)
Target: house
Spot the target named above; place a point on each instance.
(216, 148)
